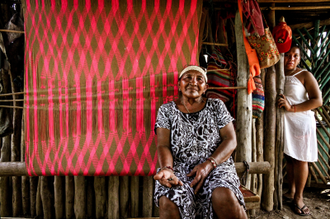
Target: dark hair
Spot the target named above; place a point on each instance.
(294, 45)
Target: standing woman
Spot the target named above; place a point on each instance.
(301, 94)
(195, 140)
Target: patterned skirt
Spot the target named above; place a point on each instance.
(200, 205)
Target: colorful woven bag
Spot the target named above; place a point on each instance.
(222, 73)
(266, 48)
(258, 98)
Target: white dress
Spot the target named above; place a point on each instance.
(300, 140)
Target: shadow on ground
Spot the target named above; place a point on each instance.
(318, 201)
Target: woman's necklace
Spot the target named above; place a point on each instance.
(185, 107)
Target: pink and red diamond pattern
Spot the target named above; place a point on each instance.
(96, 73)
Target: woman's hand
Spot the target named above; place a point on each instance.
(201, 171)
(282, 102)
(167, 178)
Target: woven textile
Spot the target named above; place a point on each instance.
(96, 73)
(258, 98)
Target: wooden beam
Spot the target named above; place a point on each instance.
(255, 167)
(19, 168)
(309, 24)
(295, 8)
(13, 169)
(11, 31)
(275, 1)
(292, 1)
(215, 44)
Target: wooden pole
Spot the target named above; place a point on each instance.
(46, 197)
(5, 194)
(280, 79)
(59, 196)
(135, 196)
(10, 169)
(260, 138)
(69, 197)
(269, 139)
(15, 149)
(33, 195)
(79, 197)
(270, 126)
(254, 181)
(5, 190)
(113, 197)
(25, 179)
(91, 196)
(100, 196)
(244, 101)
(25, 196)
(39, 209)
(123, 196)
(147, 196)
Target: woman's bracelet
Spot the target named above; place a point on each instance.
(294, 108)
(167, 168)
(212, 160)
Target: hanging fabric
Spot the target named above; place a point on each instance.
(221, 71)
(96, 74)
(258, 98)
(251, 55)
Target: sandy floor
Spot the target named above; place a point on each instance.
(318, 201)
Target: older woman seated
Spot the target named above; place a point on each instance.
(195, 140)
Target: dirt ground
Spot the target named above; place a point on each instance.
(317, 200)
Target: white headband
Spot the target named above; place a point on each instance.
(194, 68)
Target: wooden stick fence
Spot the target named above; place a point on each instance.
(19, 168)
(95, 197)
